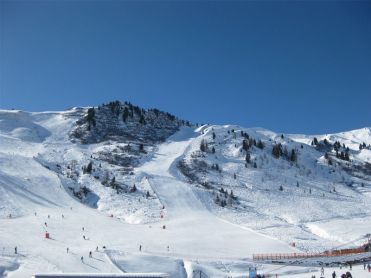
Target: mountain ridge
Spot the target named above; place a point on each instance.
(288, 188)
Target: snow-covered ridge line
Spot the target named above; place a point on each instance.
(162, 191)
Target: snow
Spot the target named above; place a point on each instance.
(38, 165)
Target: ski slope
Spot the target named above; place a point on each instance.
(186, 215)
(192, 234)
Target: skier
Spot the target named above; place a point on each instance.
(168, 248)
(15, 250)
(96, 249)
(83, 236)
(334, 274)
(48, 216)
(350, 266)
(82, 259)
(322, 271)
(90, 254)
(83, 228)
(68, 250)
(369, 267)
(62, 216)
(140, 248)
(46, 224)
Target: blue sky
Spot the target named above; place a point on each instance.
(295, 67)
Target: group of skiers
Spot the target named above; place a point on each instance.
(346, 274)
(90, 253)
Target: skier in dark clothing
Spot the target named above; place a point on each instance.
(334, 275)
(90, 254)
(82, 258)
(15, 250)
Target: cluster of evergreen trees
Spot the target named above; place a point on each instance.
(88, 169)
(81, 193)
(364, 146)
(279, 151)
(314, 141)
(342, 154)
(128, 110)
(223, 198)
(248, 143)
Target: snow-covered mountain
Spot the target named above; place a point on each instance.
(193, 197)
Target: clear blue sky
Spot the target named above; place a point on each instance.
(295, 67)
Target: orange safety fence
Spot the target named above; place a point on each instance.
(283, 256)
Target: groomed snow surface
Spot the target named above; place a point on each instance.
(184, 236)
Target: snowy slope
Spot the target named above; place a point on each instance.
(292, 200)
(172, 213)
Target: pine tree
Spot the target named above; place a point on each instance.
(315, 141)
(260, 144)
(217, 200)
(245, 145)
(248, 157)
(113, 182)
(89, 168)
(203, 146)
(293, 156)
(125, 114)
(346, 156)
(133, 189)
(91, 117)
(277, 150)
(142, 120)
(217, 166)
